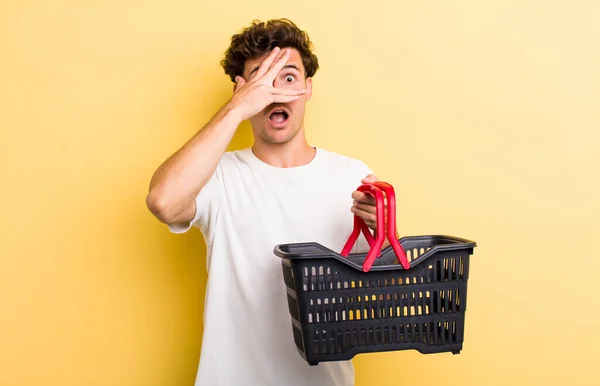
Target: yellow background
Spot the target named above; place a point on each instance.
(483, 114)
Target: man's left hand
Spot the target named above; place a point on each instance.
(364, 204)
(364, 207)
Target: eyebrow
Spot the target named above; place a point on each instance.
(291, 65)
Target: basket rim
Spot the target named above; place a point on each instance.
(322, 252)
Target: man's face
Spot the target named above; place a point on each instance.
(280, 122)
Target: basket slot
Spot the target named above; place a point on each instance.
(454, 332)
(456, 302)
(455, 296)
(455, 269)
(288, 276)
(430, 302)
(305, 279)
(320, 278)
(331, 341)
(293, 307)
(458, 331)
(362, 307)
(346, 315)
(445, 303)
(429, 339)
(442, 333)
(419, 309)
(386, 298)
(298, 338)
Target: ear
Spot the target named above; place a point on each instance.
(308, 89)
(239, 82)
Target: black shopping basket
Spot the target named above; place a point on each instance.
(344, 304)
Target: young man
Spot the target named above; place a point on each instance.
(281, 190)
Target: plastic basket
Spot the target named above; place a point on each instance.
(344, 304)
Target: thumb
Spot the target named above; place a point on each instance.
(369, 179)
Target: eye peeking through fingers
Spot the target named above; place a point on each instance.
(290, 78)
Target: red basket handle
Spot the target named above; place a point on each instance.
(360, 225)
(391, 222)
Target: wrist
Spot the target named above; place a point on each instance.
(232, 113)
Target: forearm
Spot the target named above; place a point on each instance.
(177, 182)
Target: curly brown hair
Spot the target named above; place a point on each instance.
(260, 38)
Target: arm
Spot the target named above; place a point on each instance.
(178, 181)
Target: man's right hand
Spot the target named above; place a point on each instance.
(177, 182)
(251, 97)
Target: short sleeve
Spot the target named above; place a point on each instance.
(207, 206)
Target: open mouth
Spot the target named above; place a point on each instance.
(278, 116)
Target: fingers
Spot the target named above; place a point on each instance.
(368, 206)
(285, 91)
(266, 64)
(369, 179)
(369, 218)
(364, 204)
(365, 207)
(363, 197)
(277, 66)
(285, 98)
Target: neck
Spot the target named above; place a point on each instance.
(296, 152)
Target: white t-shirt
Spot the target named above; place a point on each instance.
(245, 209)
